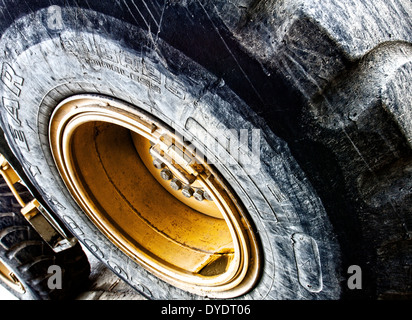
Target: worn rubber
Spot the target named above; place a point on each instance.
(326, 87)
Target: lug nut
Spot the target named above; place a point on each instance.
(175, 184)
(158, 164)
(187, 192)
(166, 174)
(207, 196)
(198, 195)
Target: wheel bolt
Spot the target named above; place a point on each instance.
(175, 184)
(158, 164)
(198, 195)
(187, 192)
(207, 196)
(166, 174)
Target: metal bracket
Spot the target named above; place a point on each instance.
(36, 214)
(176, 158)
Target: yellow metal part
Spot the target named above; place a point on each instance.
(33, 211)
(10, 177)
(9, 278)
(206, 207)
(105, 149)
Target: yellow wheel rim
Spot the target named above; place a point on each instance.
(156, 199)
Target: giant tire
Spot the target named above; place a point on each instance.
(52, 53)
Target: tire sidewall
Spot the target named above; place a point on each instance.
(45, 63)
